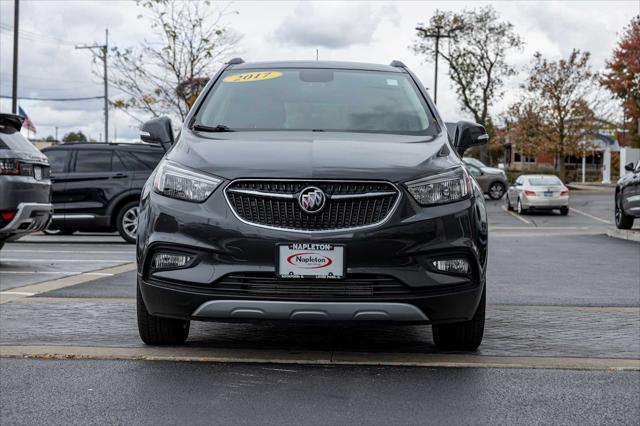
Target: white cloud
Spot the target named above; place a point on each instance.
(333, 26)
(347, 31)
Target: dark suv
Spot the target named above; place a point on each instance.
(313, 191)
(25, 189)
(96, 186)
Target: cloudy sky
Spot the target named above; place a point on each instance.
(379, 32)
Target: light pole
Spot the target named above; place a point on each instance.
(14, 83)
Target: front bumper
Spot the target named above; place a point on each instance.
(30, 217)
(401, 250)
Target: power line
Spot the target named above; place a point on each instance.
(53, 99)
(30, 34)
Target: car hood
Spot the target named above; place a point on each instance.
(312, 155)
(492, 171)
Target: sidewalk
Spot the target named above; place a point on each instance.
(591, 186)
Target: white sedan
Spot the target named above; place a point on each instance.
(539, 192)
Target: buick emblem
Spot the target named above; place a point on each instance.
(312, 199)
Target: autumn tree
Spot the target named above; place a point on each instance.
(525, 128)
(164, 75)
(476, 56)
(562, 94)
(623, 78)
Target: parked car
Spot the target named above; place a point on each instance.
(627, 200)
(493, 181)
(25, 188)
(313, 191)
(97, 186)
(538, 192)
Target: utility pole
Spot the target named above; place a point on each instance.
(56, 135)
(104, 49)
(14, 84)
(437, 35)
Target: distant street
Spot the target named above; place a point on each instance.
(562, 342)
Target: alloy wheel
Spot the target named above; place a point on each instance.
(130, 222)
(496, 191)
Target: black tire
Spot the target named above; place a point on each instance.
(564, 211)
(496, 190)
(509, 206)
(126, 228)
(1, 244)
(156, 330)
(520, 209)
(462, 336)
(623, 221)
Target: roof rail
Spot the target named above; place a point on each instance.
(12, 120)
(235, 61)
(397, 64)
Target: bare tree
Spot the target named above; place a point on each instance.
(165, 75)
(476, 56)
(562, 91)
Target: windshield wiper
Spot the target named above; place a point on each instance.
(216, 128)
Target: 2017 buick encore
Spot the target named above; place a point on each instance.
(313, 191)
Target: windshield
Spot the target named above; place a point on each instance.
(544, 180)
(318, 100)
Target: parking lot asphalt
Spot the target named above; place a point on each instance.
(561, 296)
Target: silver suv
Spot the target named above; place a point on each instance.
(25, 187)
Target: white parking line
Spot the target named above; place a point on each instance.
(10, 259)
(8, 250)
(591, 216)
(55, 273)
(516, 215)
(19, 293)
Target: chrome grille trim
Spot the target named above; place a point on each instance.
(286, 196)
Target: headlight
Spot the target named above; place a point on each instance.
(173, 181)
(443, 188)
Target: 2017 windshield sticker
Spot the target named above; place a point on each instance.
(252, 76)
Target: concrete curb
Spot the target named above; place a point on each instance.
(255, 356)
(585, 187)
(624, 234)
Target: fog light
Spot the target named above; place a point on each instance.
(456, 266)
(169, 261)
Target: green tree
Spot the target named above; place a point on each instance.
(476, 56)
(74, 137)
(165, 74)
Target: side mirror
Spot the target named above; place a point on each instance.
(629, 167)
(158, 131)
(468, 134)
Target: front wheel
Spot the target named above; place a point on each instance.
(463, 336)
(156, 330)
(509, 206)
(623, 221)
(127, 221)
(496, 190)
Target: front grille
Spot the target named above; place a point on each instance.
(265, 285)
(350, 204)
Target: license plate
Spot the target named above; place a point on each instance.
(37, 172)
(309, 260)
(548, 193)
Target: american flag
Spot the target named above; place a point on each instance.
(28, 124)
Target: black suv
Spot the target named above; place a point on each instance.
(96, 186)
(25, 189)
(313, 191)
